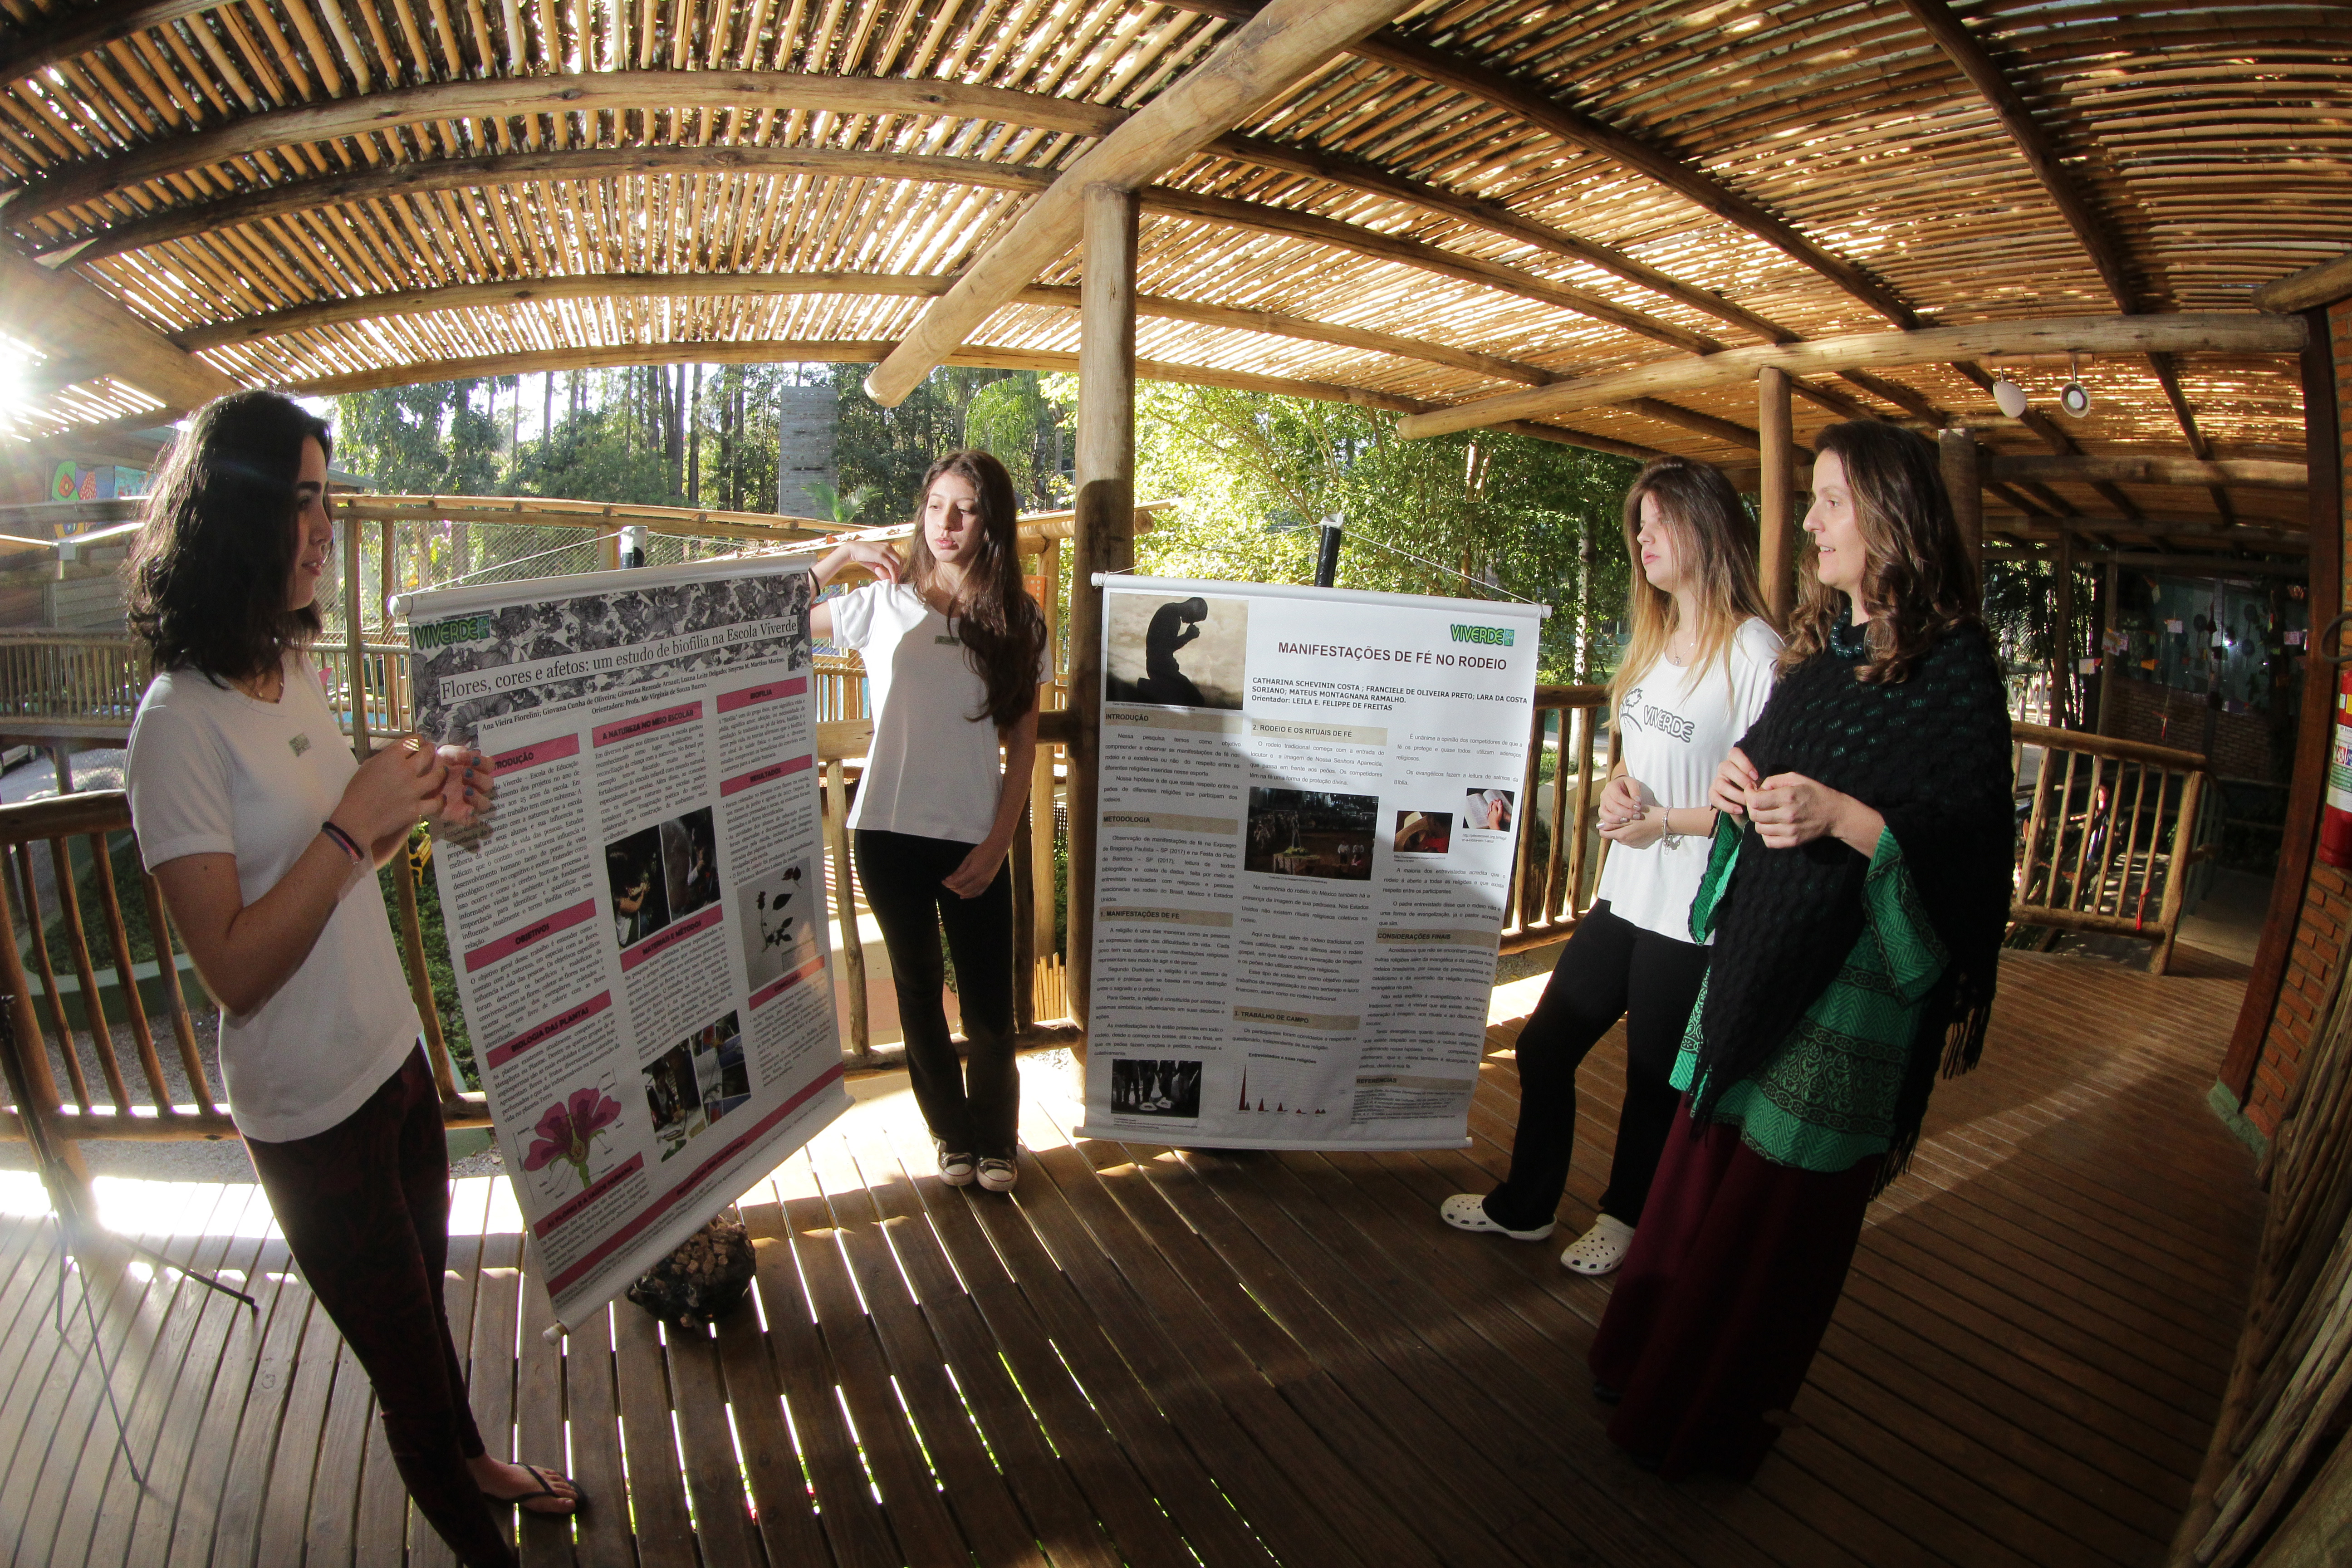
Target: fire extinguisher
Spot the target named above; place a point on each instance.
(2336, 819)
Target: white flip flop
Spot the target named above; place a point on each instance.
(1601, 1249)
(1467, 1211)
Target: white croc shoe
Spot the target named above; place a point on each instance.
(1601, 1249)
(1467, 1211)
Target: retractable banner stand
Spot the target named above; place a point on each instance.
(638, 924)
(1308, 803)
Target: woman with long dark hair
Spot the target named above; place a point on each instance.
(1694, 677)
(954, 651)
(265, 836)
(1856, 889)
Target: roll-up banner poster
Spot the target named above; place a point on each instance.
(637, 925)
(1308, 803)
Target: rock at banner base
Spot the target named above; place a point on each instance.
(706, 1279)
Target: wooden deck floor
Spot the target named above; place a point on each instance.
(1163, 1359)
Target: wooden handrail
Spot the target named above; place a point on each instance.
(2109, 837)
(2106, 746)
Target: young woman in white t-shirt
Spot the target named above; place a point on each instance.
(954, 650)
(1694, 676)
(265, 836)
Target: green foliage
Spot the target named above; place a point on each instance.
(1476, 515)
(1028, 432)
(841, 507)
(437, 969)
(421, 440)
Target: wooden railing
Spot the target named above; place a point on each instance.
(1555, 872)
(103, 1012)
(66, 684)
(2110, 836)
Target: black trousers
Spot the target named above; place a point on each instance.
(1611, 969)
(365, 1206)
(971, 1106)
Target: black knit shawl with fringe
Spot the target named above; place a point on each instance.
(1931, 754)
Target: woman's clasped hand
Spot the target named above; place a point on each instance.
(1789, 809)
(407, 781)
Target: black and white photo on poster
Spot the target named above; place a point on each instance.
(1188, 652)
(1161, 1088)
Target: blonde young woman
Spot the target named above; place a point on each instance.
(1695, 674)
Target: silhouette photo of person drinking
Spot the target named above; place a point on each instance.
(1173, 625)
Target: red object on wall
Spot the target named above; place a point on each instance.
(2336, 820)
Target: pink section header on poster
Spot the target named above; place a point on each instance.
(768, 775)
(490, 953)
(777, 986)
(767, 691)
(670, 936)
(646, 723)
(539, 1033)
(522, 757)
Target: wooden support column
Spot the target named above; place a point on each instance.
(2104, 613)
(2307, 788)
(1776, 543)
(354, 639)
(1103, 537)
(1963, 462)
(2061, 639)
(1041, 776)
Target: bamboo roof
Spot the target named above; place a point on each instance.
(331, 194)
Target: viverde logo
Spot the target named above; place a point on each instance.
(1500, 636)
(441, 633)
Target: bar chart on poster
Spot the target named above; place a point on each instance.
(1307, 813)
(637, 926)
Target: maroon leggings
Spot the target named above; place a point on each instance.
(365, 1209)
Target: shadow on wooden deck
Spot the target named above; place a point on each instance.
(1154, 1358)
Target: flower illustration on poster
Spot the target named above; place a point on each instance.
(567, 1131)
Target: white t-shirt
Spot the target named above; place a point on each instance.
(933, 770)
(213, 771)
(1674, 728)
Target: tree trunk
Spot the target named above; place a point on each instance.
(1587, 557)
(693, 414)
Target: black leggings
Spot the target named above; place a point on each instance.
(1611, 969)
(364, 1207)
(971, 1106)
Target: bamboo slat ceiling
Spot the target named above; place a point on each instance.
(337, 193)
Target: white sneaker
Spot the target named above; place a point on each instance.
(998, 1175)
(1601, 1249)
(1467, 1211)
(955, 1169)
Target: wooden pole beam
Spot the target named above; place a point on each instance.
(2307, 289)
(78, 32)
(1496, 218)
(1166, 200)
(2149, 470)
(769, 285)
(1776, 511)
(2212, 333)
(65, 314)
(1963, 465)
(1249, 68)
(2074, 203)
(428, 175)
(1104, 538)
(500, 98)
(868, 352)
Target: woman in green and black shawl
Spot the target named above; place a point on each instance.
(1856, 894)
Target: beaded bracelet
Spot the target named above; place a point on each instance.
(349, 844)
